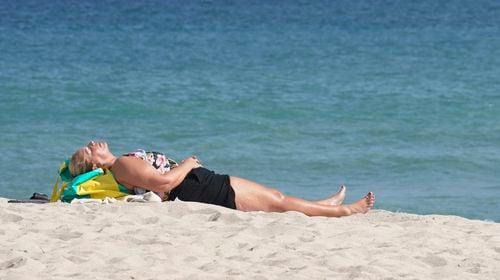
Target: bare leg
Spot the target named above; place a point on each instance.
(336, 199)
(251, 196)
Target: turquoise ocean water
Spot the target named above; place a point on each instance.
(398, 97)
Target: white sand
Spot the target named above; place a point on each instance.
(197, 241)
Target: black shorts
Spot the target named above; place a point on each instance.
(203, 185)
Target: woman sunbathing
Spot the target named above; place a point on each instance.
(190, 181)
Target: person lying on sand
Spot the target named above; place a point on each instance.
(190, 181)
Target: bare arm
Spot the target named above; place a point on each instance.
(132, 171)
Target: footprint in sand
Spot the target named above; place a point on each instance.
(69, 235)
(470, 265)
(307, 238)
(209, 215)
(231, 218)
(12, 218)
(150, 220)
(13, 263)
(77, 259)
(214, 217)
(208, 266)
(433, 260)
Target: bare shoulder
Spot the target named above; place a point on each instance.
(132, 171)
(125, 165)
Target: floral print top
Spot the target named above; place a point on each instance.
(158, 160)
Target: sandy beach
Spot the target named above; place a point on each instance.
(179, 240)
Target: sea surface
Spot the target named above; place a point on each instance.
(397, 97)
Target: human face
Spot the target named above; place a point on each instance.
(98, 152)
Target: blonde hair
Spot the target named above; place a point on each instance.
(80, 163)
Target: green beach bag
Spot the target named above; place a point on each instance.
(98, 183)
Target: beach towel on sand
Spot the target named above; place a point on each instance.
(98, 183)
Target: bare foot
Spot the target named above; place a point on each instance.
(336, 199)
(363, 205)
